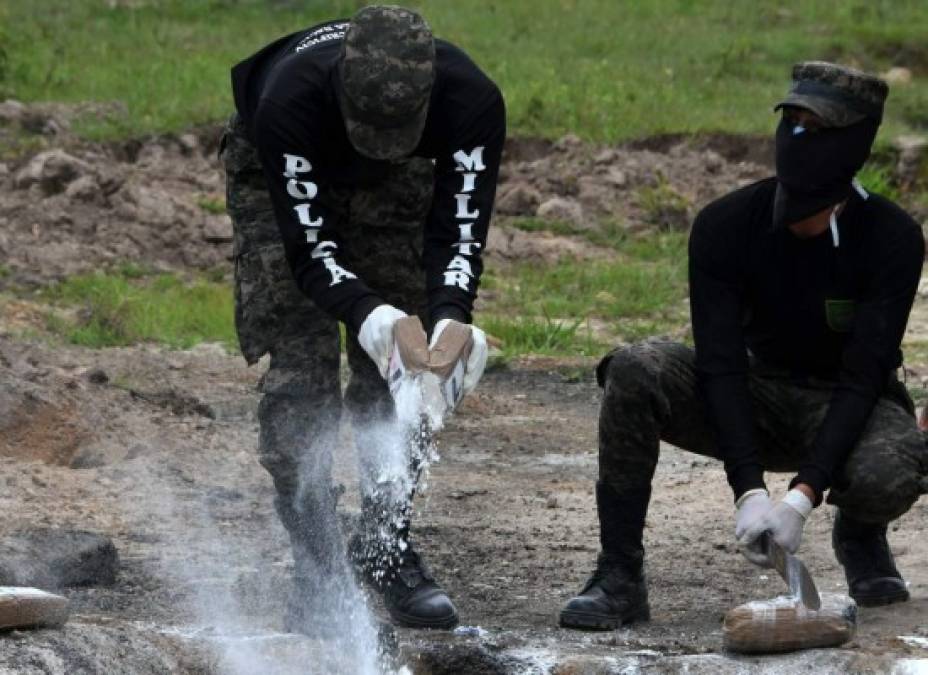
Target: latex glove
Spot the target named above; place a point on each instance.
(752, 506)
(477, 360)
(376, 335)
(784, 521)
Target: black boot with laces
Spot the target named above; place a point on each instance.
(616, 594)
(863, 551)
(386, 561)
(617, 591)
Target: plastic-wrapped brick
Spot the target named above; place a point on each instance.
(784, 624)
(23, 607)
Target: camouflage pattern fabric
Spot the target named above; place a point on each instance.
(651, 394)
(840, 95)
(301, 404)
(387, 71)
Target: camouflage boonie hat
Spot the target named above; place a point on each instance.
(840, 95)
(386, 75)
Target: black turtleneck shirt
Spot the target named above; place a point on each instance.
(805, 305)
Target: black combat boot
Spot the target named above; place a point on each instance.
(617, 591)
(387, 562)
(862, 549)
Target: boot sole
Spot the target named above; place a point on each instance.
(881, 600)
(410, 621)
(591, 621)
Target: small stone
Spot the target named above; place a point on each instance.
(217, 229)
(567, 142)
(52, 171)
(188, 144)
(551, 502)
(84, 189)
(559, 208)
(520, 200)
(97, 376)
(11, 112)
(616, 177)
(607, 156)
(897, 75)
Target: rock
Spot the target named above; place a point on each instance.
(97, 376)
(11, 112)
(188, 144)
(217, 229)
(57, 558)
(607, 156)
(912, 163)
(84, 189)
(713, 161)
(559, 208)
(616, 177)
(52, 171)
(567, 142)
(897, 75)
(22, 607)
(519, 200)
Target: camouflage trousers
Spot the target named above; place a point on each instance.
(651, 394)
(381, 241)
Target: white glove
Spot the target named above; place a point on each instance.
(784, 521)
(477, 360)
(752, 506)
(376, 335)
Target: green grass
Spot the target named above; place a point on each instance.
(125, 306)
(541, 335)
(605, 69)
(638, 293)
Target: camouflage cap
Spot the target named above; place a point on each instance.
(840, 95)
(386, 74)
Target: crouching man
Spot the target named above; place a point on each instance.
(800, 289)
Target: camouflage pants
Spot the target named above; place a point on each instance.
(650, 394)
(299, 412)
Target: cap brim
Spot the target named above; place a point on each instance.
(832, 113)
(382, 143)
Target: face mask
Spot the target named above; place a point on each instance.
(815, 168)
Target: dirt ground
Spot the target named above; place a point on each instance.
(156, 448)
(507, 525)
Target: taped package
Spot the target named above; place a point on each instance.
(22, 607)
(784, 624)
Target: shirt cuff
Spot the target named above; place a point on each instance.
(447, 312)
(744, 478)
(360, 309)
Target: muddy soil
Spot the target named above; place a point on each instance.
(507, 524)
(74, 206)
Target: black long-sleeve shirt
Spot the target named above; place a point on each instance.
(804, 305)
(286, 96)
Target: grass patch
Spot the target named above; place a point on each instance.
(124, 307)
(554, 309)
(541, 335)
(606, 70)
(212, 204)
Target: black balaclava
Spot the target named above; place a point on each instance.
(815, 169)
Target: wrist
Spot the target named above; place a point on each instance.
(750, 493)
(799, 501)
